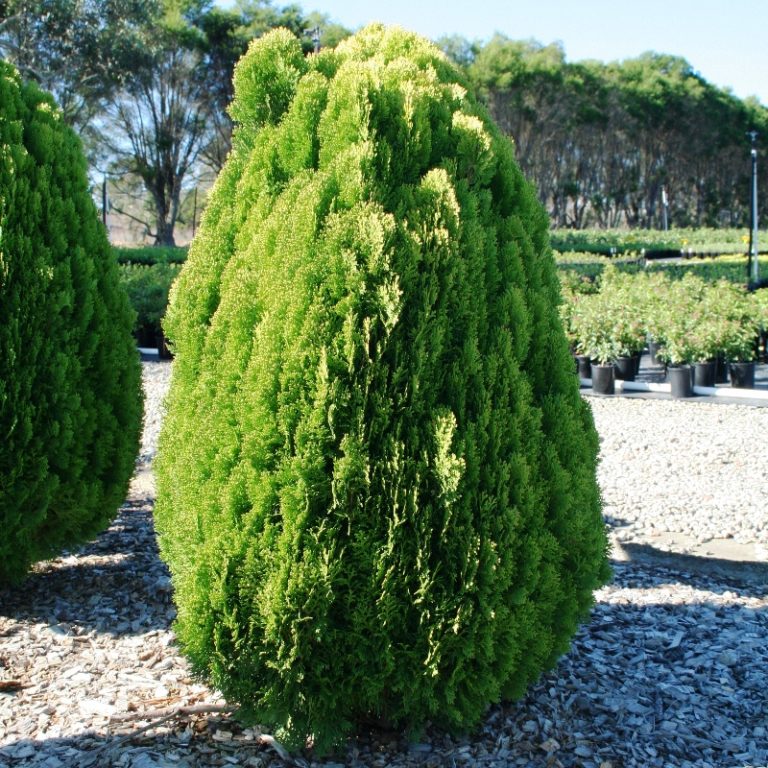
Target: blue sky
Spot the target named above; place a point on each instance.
(726, 41)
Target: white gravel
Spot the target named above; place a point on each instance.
(683, 467)
(671, 672)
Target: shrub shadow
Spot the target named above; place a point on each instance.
(117, 584)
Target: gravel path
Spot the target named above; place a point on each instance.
(671, 671)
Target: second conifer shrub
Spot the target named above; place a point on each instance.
(70, 378)
(376, 479)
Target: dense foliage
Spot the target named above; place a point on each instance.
(70, 389)
(689, 318)
(148, 287)
(376, 480)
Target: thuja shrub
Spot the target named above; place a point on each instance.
(376, 480)
(70, 396)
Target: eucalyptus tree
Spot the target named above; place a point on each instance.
(78, 50)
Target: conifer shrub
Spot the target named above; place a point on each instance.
(70, 379)
(376, 479)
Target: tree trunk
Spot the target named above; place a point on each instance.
(164, 234)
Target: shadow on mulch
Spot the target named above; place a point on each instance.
(116, 585)
(715, 574)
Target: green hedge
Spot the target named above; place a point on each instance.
(148, 287)
(70, 379)
(151, 254)
(376, 478)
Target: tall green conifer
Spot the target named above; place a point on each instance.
(377, 490)
(70, 380)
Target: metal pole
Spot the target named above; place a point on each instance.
(104, 201)
(753, 246)
(194, 214)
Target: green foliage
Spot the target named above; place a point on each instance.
(376, 480)
(150, 254)
(70, 384)
(690, 319)
(148, 287)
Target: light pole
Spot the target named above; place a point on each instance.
(753, 249)
(315, 35)
(104, 204)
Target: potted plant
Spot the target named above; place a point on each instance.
(594, 333)
(652, 293)
(677, 353)
(573, 290)
(740, 349)
(629, 340)
(624, 299)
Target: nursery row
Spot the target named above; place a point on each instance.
(580, 264)
(686, 321)
(621, 241)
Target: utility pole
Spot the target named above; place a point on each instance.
(315, 35)
(104, 202)
(753, 249)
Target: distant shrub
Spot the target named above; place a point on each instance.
(148, 287)
(376, 483)
(151, 254)
(70, 380)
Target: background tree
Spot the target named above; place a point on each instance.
(602, 140)
(157, 123)
(78, 50)
(167, 125)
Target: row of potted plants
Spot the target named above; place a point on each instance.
(688, 322)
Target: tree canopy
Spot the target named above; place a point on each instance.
(601, 141)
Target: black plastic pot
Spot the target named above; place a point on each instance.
(603, 379)
(162, 347)
(584, 366)
(704, 373)
(721, 370)
(680, 380)
(743, 375)
(626, 368)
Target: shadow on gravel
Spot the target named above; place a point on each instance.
(93, 750)
(749, 579)
(116, 585)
